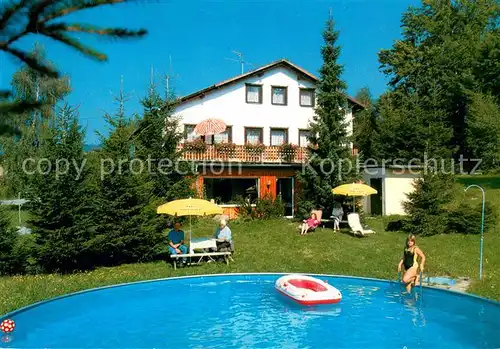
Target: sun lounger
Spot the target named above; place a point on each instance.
(355, 225)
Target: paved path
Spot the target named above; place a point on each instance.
(461, 285)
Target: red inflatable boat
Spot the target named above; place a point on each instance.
(307, 290)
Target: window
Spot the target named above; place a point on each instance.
(279, 95)
(307, 96)
(189, 134)
(254, 93)
(227, 190)
(224, 137)
(278, 136)
(253, 135)
(303, 141)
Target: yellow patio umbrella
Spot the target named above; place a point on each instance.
(354, 189)
(189, 207)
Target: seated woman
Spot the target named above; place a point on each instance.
(223, 236)
(337, 214)
(410, 263)
(310, 223)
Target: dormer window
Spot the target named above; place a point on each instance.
(307, 97)
(254, 93)
(279, 95)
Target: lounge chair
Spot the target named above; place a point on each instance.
(355, 225)
(319, 213)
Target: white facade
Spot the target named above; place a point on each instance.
(229, 103)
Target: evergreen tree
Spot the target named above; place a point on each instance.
(7, 239)
(60, 203)
(483, 129)
(330, 158)
(19, 18)
(29, 84)
(155, 141)
(119, 231)
(441, 59)
(365, 125)
(156, 138)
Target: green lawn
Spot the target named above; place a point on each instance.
(274, 246)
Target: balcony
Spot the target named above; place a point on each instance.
(242, 153)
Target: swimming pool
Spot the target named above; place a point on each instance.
(244, 310)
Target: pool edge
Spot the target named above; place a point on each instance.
(388, 281)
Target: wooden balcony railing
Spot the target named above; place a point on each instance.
(240, 153)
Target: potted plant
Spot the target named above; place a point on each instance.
(225, 149)
(196, 146)
(287, 151)
(254, 148)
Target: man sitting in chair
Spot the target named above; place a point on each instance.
(176, 241)
(223, 236)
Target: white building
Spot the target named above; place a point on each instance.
(270, 106)
(393, 184)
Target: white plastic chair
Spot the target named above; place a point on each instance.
(355, 225)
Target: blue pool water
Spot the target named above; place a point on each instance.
(245, 311)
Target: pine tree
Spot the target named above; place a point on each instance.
(156, 138)
(330, 156)
(7, 240)
(19, 18)
(29, 84)
(155, 141)
(120, 198)
(365, 126)
(448, 50)
(60, 201)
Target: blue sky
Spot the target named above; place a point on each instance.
(200, 35)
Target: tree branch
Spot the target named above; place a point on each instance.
(66, 39)
(32, 62)
(80, 5)
(8, 12)
(90, 29)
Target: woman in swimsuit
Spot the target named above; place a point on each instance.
(410, 264)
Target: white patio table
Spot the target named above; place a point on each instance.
(202, 243)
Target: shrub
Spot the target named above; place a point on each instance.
(394, 222)
(196, 146)
(466, 217)
(439, 205)
(16, 251)
(265, 208)
(254, 148)
(287, 151)
(228, 149)
(269, 208)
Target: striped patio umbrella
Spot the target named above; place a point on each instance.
(210, 127)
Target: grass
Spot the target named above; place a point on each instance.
(274, 246)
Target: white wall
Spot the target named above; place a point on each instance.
(396, 188)
(229, 104)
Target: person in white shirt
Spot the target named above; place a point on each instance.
(223, 236)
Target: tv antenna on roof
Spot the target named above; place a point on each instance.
(169, 76)
(240, 60)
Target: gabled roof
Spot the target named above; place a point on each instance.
(260, 70)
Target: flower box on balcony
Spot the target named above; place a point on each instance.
(288, 151)
(196, 146)
(226, 149)
(254, 148)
